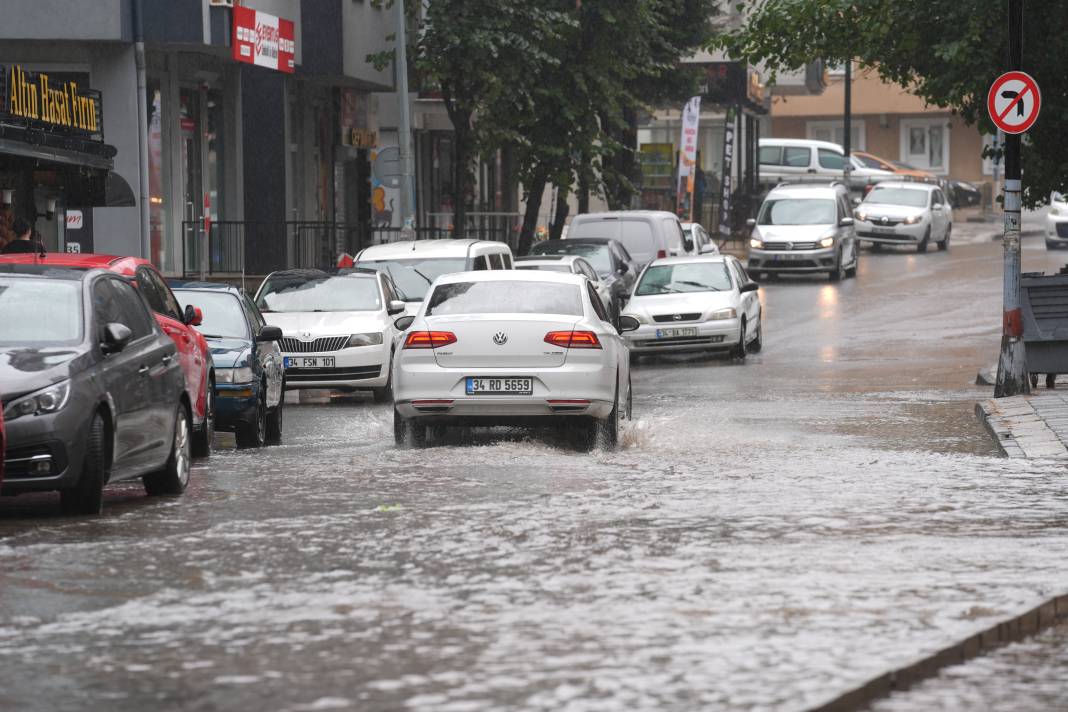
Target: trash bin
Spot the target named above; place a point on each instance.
(1045, 323)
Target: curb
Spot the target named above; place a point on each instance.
(1012, 630)
(1023, 426)
(984, 413)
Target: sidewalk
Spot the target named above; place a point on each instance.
(1034, 426)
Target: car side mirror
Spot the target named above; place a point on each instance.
(395, 307)
(624, 268)
(855, 201)
(192, 316)
(749, 287)
(936, 205)
(688, 244)
(116, 337)
(404, 322)
(845, 222)
(269, 333)
(751, 222)
(627, 323)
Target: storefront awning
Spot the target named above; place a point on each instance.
(50, 154)
(117, 192)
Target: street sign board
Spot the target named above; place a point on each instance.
(1013, 102)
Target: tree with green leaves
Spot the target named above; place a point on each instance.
(948, 52)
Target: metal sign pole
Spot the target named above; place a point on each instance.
(1012, 365)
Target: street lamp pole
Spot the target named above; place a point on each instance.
(1012, 364)
(404, 130)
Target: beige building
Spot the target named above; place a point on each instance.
(888, 122)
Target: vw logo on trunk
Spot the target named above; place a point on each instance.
(500, 338)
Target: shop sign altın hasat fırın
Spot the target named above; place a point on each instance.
(38, 100)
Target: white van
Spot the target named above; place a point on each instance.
(414, 265)
(647, 234)
(798, 160)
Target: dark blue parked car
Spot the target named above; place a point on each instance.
(250, 377)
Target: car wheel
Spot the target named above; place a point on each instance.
(204, 439)
(921, 246)
(87, 496)
(630, 399)
(385, 393)
(408, 432)
(608, 429)
(254, 434)
(274, 420)
(837, 272)
(1051, 380)
(739, 351)
(757, 344)
(944, 244)
(174, 477)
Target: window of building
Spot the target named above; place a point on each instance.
(834, 132)
(925, 143)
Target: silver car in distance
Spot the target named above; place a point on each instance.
(695, 304)
(511, 348)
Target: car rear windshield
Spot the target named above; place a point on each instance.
(797, 211)
(40, 311)
(545, 268)
(596, 255)
(329, 294)
(684, 277)
(909, 197)
(505, 297)
(413, 277)
(223, 316)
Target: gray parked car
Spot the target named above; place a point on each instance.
(92, 389)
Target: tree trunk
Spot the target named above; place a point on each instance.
(584, 186)
(560, 211)
(530, 217)
(619, 190)
(460, 174)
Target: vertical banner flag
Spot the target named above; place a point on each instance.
(726, 183)
(691, 116)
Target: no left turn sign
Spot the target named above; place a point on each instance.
(1013, 102)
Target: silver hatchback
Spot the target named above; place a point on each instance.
(804, 229)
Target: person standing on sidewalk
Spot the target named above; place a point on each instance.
(23, 242)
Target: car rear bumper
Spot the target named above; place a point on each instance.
(711, 335)
(428, 390)
(799, 261)
(490, 411)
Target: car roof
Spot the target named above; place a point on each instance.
(511, 275)
(193, 284)
(445, 247)
(85, 260)
(37, 270)
(579, 241)
(808, 190)
(686, 259)
(808, 142)
(549, 259)
(617, 214)
(914, 184)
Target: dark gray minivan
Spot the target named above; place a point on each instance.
(91, 387)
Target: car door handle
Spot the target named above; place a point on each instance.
(166, 359)
(142, 371)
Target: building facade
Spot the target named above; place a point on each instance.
(887, 121)
(258, 144)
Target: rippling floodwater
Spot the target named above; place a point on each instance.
(772, 534)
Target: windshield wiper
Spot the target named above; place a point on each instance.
(709, 287)
(428, 280)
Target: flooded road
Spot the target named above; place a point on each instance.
(772, 534)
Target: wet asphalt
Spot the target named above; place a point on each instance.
(771, 534)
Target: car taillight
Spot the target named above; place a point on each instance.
(661, 254)
(573, 339)
(429, 339)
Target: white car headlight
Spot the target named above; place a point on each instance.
(913, 219)
(46, 400)
(234, 375)
(756, 243)
(372, 339)
(827, 241)
(722, 314)
(861, 215)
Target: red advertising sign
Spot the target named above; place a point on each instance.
(263, 39)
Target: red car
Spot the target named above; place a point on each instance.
(193, 349)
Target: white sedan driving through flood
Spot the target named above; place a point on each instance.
(695, 304)
(511, 348)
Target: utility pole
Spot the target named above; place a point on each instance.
(1012, 365)
(404, 131)
(847, 124)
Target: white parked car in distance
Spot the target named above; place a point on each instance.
(647, 234)
(702, 242)
(337, 329)
(798, 160)
(1057, 221)
(696, 303)
(413, 265)
(905, 213)
(570, 264)
(511, 348)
